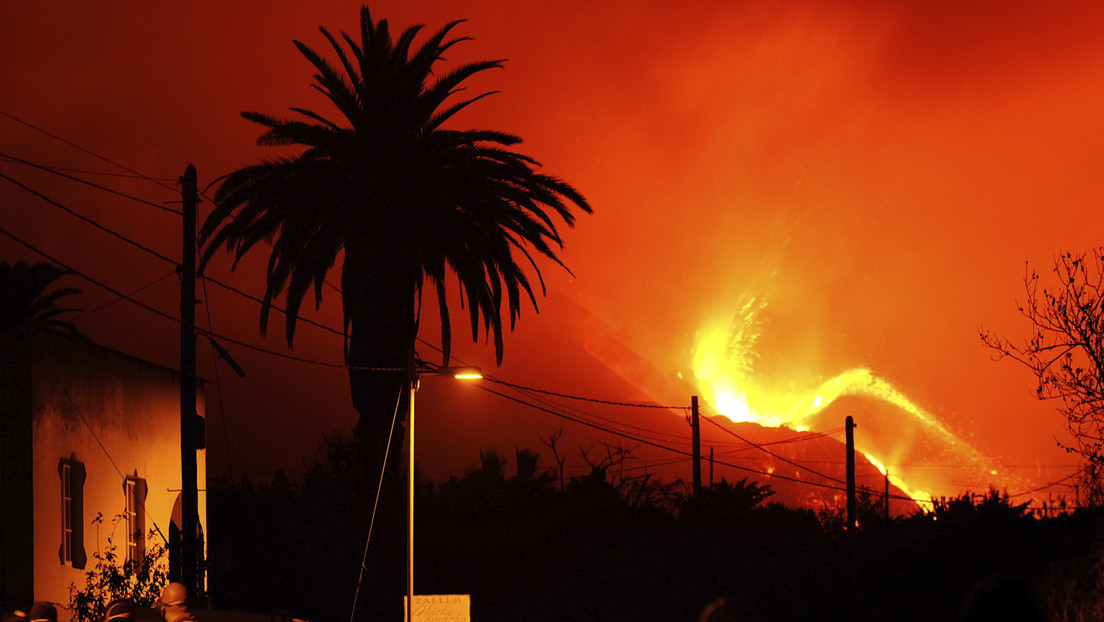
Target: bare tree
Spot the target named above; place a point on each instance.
(1066, 353)
(551, 442)
(615, 457)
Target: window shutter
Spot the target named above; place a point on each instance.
(80, 558)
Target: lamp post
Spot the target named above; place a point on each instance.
(460, 373)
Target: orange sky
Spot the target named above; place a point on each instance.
(879, 171)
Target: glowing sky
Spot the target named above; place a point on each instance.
(878, 172)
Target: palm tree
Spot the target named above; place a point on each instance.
(25, 303)
(400, 200)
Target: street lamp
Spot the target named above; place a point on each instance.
(460, 373)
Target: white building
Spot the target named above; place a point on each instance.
(89, 452)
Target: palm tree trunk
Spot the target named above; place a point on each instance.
(378, 296)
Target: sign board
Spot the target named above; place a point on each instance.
(440, 608)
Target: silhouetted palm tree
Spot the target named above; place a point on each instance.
(399, 200)
(722, 502)
(27, 303)
(403, 198)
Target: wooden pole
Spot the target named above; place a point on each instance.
(851, 519)
(695, 428)
(189, 494)
(410, 500)
(887, 494)
(711, 466)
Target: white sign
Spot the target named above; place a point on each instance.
(440, 608)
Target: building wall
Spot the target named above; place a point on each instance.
(16, 494)
(119, 417)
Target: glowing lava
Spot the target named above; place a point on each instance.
(723, 366)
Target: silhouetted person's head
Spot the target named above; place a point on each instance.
(42, 612)
(1005, 599)
(736, 609)
(173, 604)
(119, 610)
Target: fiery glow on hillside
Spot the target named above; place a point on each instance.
(724, 371)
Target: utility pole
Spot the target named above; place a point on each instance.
(850, 426)
(189, 493)
(695, 428)
(887, 494)
(711, 466)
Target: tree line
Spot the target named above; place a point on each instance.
(528, 544)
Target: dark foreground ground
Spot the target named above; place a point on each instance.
(534, 549)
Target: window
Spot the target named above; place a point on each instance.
(72, 474)
(66, 512)
(135, 513)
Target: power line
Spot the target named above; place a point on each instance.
(211, 334)
(118, 298)
(168, 260)
(795, 439)
(218, 387)
(1045, 486)
(588, 399)
(79, 148)
(135, 174)
(90, 221)
(88, 183)
(771, 453)
(54, 168)
(86, 277)
(275, 307)
(580, 413)
(677, 451)
(176, 320)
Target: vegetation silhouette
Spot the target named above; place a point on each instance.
(29, 302)
(1001, 598)
(598, 548)
(1066, 353)
(400, 200)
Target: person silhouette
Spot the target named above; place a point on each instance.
(42, 612)
(119, 610)
(729, 610)
(1001, 598)
(173, 604)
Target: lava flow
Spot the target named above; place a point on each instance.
(897, 436)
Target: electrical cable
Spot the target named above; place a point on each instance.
(211, 334)
(678, 451)
(79, 148)
(52, 168)
(771, 453)
(14, 159)
(795, 439)
(176, 320)
(274, 307)
(586, 399)
(89, 220)
(1049, 485)
(230, 288)
(218, 385)
(654, 434)
(375, 502)
(84, 314)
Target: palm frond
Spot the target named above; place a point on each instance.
(404, 199)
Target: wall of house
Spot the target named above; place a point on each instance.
(120, 417)
(16, 498)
